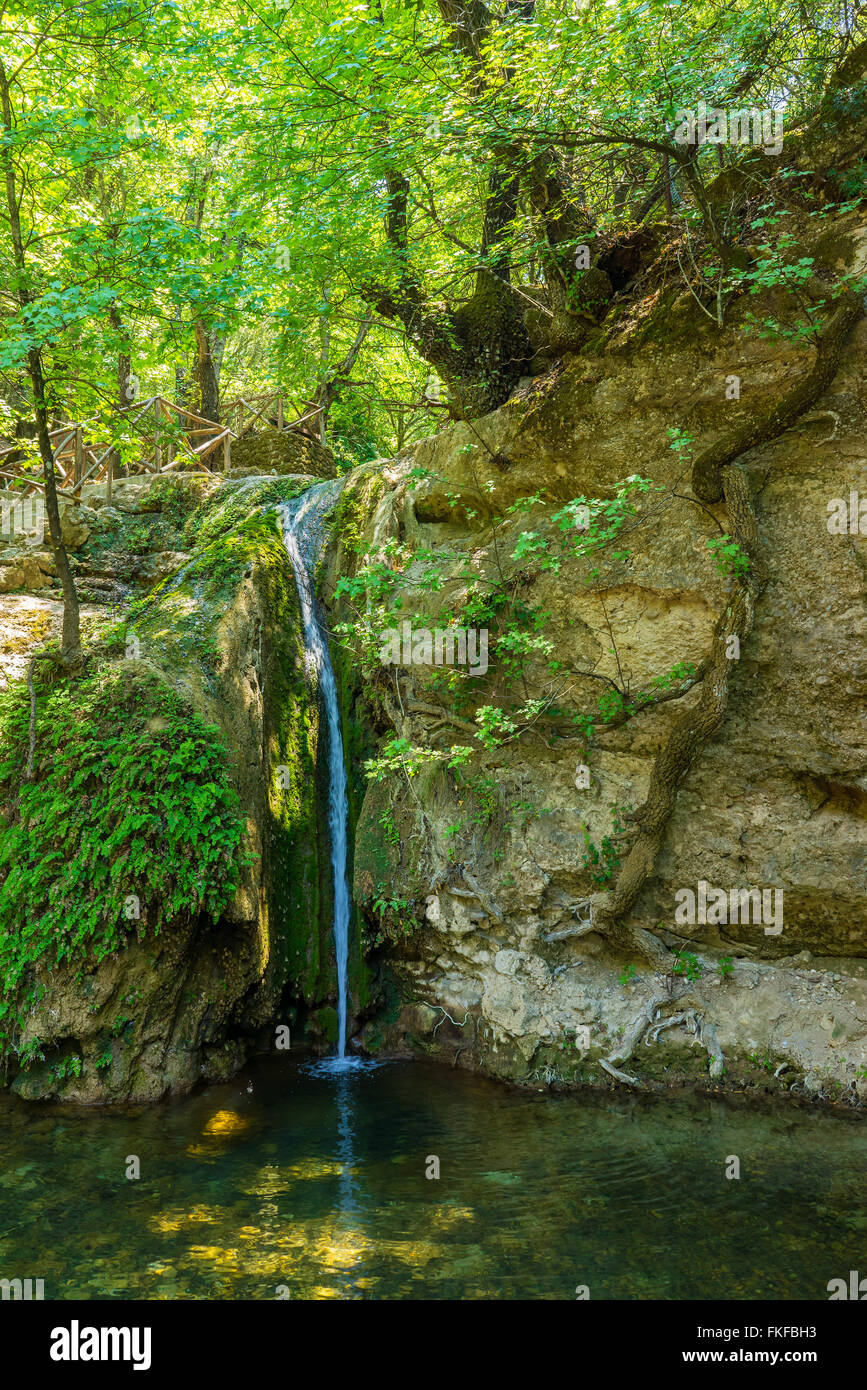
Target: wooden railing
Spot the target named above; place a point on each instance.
(169, 439)
(169, 433)
(75, 460)
(243, 412)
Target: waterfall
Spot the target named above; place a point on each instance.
(302, 534)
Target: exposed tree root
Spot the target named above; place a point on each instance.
(710, 1043)
(638, 1028)
(692, 732)
(619, 1075)
(582, 926)
(649, 1024)
(707, 482)
(446, 1015)
(714, 473)
(696, 1024)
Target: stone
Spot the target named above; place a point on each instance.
(11, 577)
(22, 571)
(283, 452)
(154, 568)
(74, 525)
(34, 575)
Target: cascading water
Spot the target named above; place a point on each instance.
(302, 535)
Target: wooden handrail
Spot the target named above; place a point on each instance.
(74, 457)
(22, 478)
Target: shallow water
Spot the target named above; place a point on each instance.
(316, 1182)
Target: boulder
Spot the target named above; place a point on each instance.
(23, 572)
(11, 577)
(283, 452)
(154, 568)
(75, 524)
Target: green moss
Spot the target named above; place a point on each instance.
(298, 861)
(177, 622)
(177, 619)
(232, 504)
(665, 325)
(325, 1024)
(355, 506)
(177, 498)
(379, 861)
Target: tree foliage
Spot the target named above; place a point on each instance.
(244, 190)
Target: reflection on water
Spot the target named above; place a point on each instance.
(348, 1198)
(314, 1179)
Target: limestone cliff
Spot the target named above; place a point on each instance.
(480, 879)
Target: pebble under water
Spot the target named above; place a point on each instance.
(293, 1181)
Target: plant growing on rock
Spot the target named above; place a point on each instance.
(129, 823)
(687, 964)
(603, 861)
(395, 918)
(729, 556)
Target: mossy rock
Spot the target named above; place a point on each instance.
(282, 451)
(208, 673)
(324, 1025)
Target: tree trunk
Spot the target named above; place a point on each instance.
(207, 379)
(482, 348)
(70, 640)
(329, 389)
(123, 398)
(70, 645)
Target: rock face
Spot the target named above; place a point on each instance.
(154, 568)
(490, 957)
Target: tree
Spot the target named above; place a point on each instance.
(70, 643)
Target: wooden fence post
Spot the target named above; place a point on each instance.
(78, 464)
(158, 457)
(280, 410)
(227, 451)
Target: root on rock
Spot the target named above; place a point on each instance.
(707, 468)
(715, 474)
(649, 1025)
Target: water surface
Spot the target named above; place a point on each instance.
(314, 1183)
